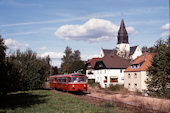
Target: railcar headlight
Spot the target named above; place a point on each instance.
(84, 85)
(72, 85)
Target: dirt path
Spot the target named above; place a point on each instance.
(131, 99)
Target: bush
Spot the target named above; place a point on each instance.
(94, 84)
(91, 82)
(137, 92)
(115, 87)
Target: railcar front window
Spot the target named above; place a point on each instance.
(82, 79)
(75, 79)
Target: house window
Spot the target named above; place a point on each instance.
(129, 75)
(89, 66)
(90, 73)
(105, 79)
(113, 79)
(100, 65)
(135, 76)
(129, 85)
(120, 70)
(135, 85)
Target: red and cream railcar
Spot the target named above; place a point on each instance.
(71, 82)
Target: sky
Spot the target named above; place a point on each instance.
(48, 26)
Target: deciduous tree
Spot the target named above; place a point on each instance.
(3, 69)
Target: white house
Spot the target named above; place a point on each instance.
(107, 70)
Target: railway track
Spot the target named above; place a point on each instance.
(129, 105)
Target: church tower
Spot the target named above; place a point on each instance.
(122, 43)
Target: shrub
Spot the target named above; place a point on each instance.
(91, 82)
(115, 87)
(137, 92)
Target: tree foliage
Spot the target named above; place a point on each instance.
(3, 68)
(77, 66)
(159, 72)
(54, 70)
(30, 70)
(150, 49)
(71, 62)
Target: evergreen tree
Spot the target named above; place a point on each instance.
(76, 66)
(66, 60)
(71, 62)
(76, 55)
(159, 72)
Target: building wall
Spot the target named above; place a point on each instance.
(133, 82)
(143, 79)
(100, 75)
(137, 53)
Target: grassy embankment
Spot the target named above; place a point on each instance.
(46, 101)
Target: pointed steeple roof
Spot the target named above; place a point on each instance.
(122, 34)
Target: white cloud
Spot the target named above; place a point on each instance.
(86, 57)
(166, 26)
(93, 30)
(56, 62)
(52, 55)
(42, 48)
(165, 34)
(55, 57)
(13, 44)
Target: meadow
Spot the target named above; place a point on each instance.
(50, 101)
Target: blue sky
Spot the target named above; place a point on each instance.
(48, 26)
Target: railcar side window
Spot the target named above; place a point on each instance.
(64, 79)
(81, 79)
(69, 79)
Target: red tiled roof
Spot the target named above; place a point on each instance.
(114, 61)
(145, 58)
(93, 61)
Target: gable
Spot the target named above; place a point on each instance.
(141, 63)
(99, 65)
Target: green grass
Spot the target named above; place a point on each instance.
(46, 101)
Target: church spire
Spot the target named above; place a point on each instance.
(122, 34)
